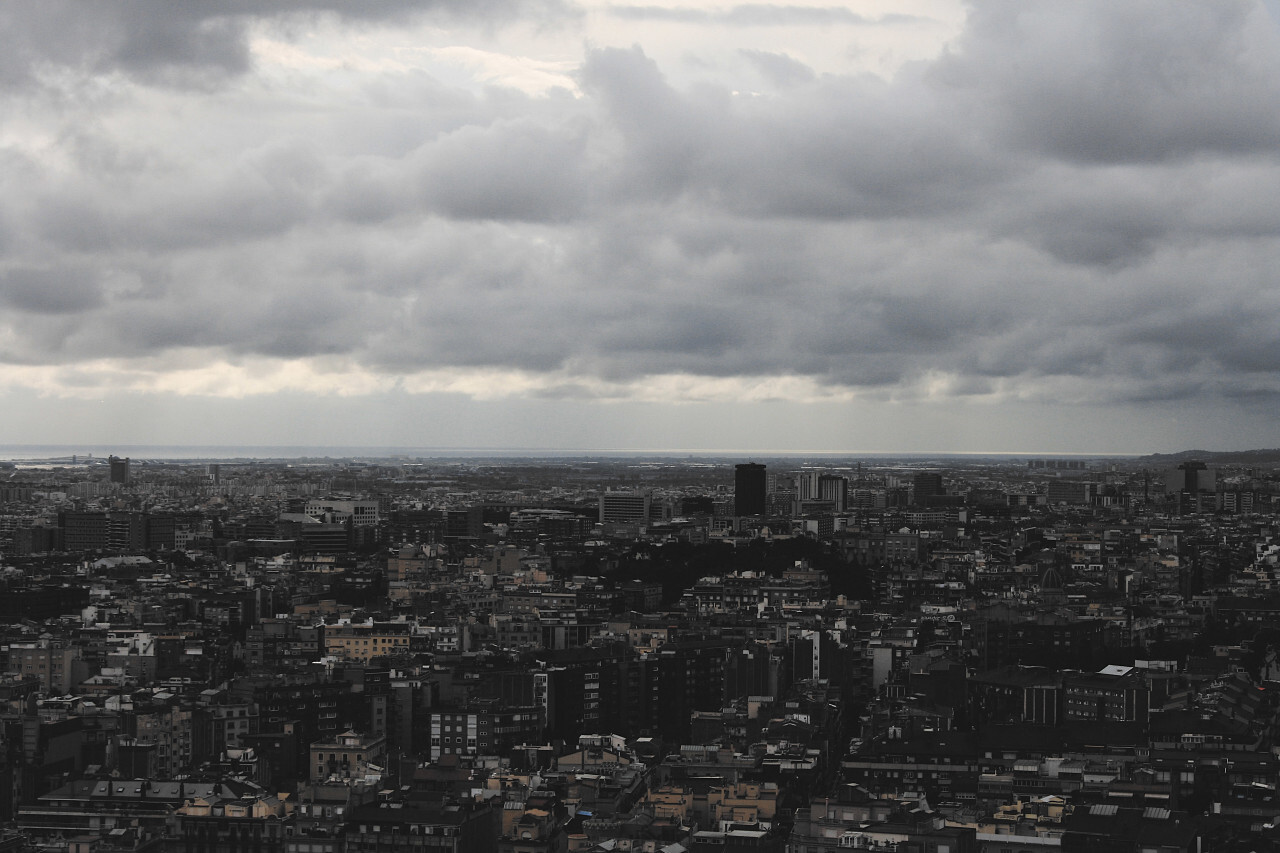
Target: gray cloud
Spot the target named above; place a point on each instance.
(780, 69)
(772, 15)
(661, 13)
(757, 15)
(509, 170)
(198, 44)
(50, 290)
(1077, 201)
(1131, 82)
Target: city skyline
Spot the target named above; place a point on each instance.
(821, 227)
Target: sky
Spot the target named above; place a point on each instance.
(910, 225)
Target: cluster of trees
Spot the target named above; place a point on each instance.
(678, 565)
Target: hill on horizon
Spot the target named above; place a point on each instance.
(1238, 457)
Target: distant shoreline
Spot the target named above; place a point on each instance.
(86, 454)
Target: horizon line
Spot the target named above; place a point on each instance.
(311, 450)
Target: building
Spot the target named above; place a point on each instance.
(58, 666)
(119, 469)
(750, 489)
(127, 531)
(464, 827)
(834, 489)
(624, 507)
(1113, 694)
(362, 513)
(179, 735)
(101, 807)
(257, 822)
(365, 642)
(535, 826)
(1080, 492)
(679, 678)
(926, 484)
(1191, 477)
(83, 531)
(860, 823)
(585, 690)
(349, 756)
(487, 728)
(295, 712)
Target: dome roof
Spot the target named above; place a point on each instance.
(1050, 579)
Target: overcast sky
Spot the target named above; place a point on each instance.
(910, 225)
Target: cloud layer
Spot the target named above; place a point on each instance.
(1071, 202)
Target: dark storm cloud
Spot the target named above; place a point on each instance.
(1076, 201)
(1120, 82)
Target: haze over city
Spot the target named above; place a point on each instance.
(847, 227)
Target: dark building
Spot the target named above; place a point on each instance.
(93, 806)
(679, 678)
(756, 669)
(750, 487)
(464, 827)
(834, 489)
(483, 727)
(127, 531)
(1192, 476)
(415, 525)
(1043, 640)
(41, 602)
(119, 469)
(585, 691)
(83, 531)
(642, 596)
(35, 540)
(926, 485)
(303, 706)
(697, 505)
(279, 751)
(856, 821)
(460, 523)
(325, 538)
(162, 532)
(407, 710)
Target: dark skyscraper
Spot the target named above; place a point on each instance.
(1192, 476)
(926, 485)
(749, 488)
(119, 469)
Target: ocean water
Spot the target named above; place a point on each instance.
(83, 453)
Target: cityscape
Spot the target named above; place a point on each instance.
(673, 426)
(596, 653)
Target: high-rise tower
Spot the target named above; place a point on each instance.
(750, 486)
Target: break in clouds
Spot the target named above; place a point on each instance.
(1073, 201)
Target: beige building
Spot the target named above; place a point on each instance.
(717, 807)
(365, 642)
(348, 756)
(59, 668)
